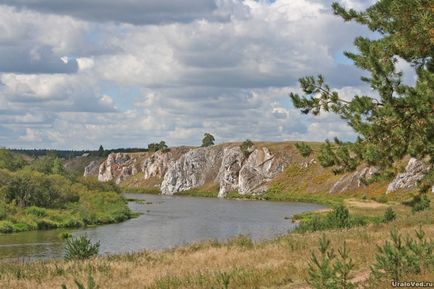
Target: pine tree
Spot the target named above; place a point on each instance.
(100, 151)
(401, 120)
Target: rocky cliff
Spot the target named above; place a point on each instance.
(227, 169)
(183, 169)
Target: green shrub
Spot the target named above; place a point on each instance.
(36, 211)
(304, 149)
(6, 227)
(35, 189)
(94, 185)
(90, 283)
(330, 270)
(49, 164)
(399, 257)
(338, 218)
(246, 147)
(3, 211)
(420, 203)
(10, 161)
(208, 140)
(389, 215)
(80, 248)
(65, 235)
(161, 146)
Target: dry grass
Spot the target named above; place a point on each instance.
(280, 263)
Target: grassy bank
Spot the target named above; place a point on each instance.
(69, 204)
(237, 263)
(41, 193)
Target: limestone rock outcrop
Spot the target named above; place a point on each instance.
(92, 169)
(354, 180)
(225, 166)
(191, 170)
(260, 168)
(414, 172)
(117, 166)
(247, 175)
(228, 176)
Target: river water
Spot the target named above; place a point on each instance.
(165, 222)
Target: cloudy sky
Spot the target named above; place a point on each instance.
(75, 74)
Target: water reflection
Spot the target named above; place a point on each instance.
(165, 222)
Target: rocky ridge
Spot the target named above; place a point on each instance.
(184, 169)
(230, 170)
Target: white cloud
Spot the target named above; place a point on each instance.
(135, 84)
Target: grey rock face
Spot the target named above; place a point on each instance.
(191, 170)
(115, 162)
(91, 169)
(228, 176)
(260, 168)
(354, 180)
(119, 166)
(414, 172)
(247, 176)
(226, 166)
(156, 165)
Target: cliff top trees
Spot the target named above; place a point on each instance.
(401, 120)
(208, 140)
(161, 146)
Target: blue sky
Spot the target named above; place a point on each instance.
(77, 74)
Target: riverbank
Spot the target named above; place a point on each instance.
(67, 203)
(280, 264)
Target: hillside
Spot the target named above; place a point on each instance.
(268, 170)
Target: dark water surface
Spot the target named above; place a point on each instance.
(165, 222)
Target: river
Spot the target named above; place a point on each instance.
(165, 222)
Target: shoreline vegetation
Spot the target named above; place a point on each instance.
(40, 194)
(281, 263)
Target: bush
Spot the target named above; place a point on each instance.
(420, 203)
(10, 161)
(399, 257)
(80, 248)
(246, 147)
(208, 140)
(304, 149)
(36, 211)
(338, 218)
(49, 164)
(389, 215)
(161, 146)
(330, 270)
(35, 189)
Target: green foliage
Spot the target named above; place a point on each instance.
(35, 189)
(389, 215)
(401, 120)
(161, 146)
(208, 140)
(420, 203)
(427, 182)
(49, 164)
(10, 161)
(101, 151)
(330, 270)
(246, 147)
(338, 218)
(90, 283)
(32, 200)
(65, 235)
(400, 256)
(95, 185)
(304, 149)
(80, 248)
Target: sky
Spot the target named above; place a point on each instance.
(75, 74)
